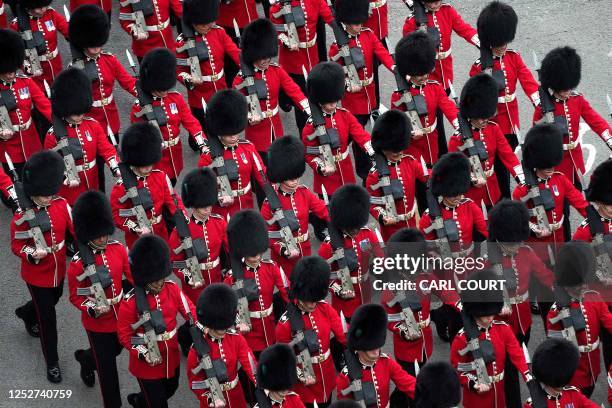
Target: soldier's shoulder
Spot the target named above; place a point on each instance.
(275, 64)
(492, 122)
(216, 216)
(268, 261)
(433, 82)
(366, 29)
(59, 200)
(408, 156)
(22, 76)
(499, 323)
(513, 51)
(216, 27)
(575, 93)
(232, 332)
(465, 200)
(175, 92)
(340, 108)
(108, 53)
(114, 242)
(90, 119)
(570, 388)
(591, 293)
(245, 142)
(384, 356)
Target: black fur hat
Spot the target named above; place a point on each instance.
(479, 97)
(309, 279)
(258, 41)
(276, 368)
(325, 83)
(561, 69)
(509, 222)
(600, 186)
(158, 70)
(415, 54)
(149, 260)
(437, 386)
(141, 145)
(575, 264)
(352, 11)
(200, 11)
(199, 188)
(496, 24)
(368, 328)
(450, 176)
(543, 147)
(89, 27)
(555, 361)
(350, 207)
(286, 159)
(12, 51)
(392, 131)
(485, 300)
(217, 306)
(247, 234)
(43, 174)
(71, 93)
(226, 113)
(405, 241)
(32, 4)
(92, 216)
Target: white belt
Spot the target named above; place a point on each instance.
(86, 166)
(23, 126)
(270, 112)
(519, 298)
(308, 44)
(553, 226)
(165, 336)
(209, 265)
(431, 127)
(320, 358)
(506, 98)
(242, 191)
(171, 142)
(48, 56)
(570, 146)
(341, 156)
(396, 317)
(377, 4)
(159, 27)
(227, 386)
(298, 239)
(213, 77)
(463, 252)
(116, 299)
(102, 102)
(443, 54)
(56, 247)
(407, 216)
(364, 82)
(260, 314)
(589, 347)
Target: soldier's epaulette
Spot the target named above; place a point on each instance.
(558, 172)
(245, 141)
(492, 122)
(129, 295)
(341, 108)
(274, 64)
(174, 91)
(570, 388)
(157, 171)
(89, 118)
(365, 228)
(20, 75)
(284, 318)
(291, 393)
(59, 198)
(433, 81)
(107, 53)
(591, 292)
(232, 332)
(268, 261)
(384, 355)
(575, 93)
(170, 281)
(500, 322)
(366, 29)
(215, 215)
(408, 156)
(512, 50)
(216, 26)
(465, 200)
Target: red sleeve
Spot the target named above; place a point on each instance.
(382, 54)
(180, 298)
(475, 69)
(318, 207)
(479, 222)
(335, 323)
(458, 344)
(453, 143)
(310, 158)
(357, 132)
(117, 192)
(575, 197)
(245, 357)
(409, 26)
(279, 282)
(60, 24)
(5, 182)
(126, 81)
(283, 332)
(584, 402)
(127, 316)
(598, 124)
(541, 271)
(342, 382)
(325, 12)
(514, 350)
(525, 77)
(605, 317)
(205, 160)
(192, 362)
(18, 246)
(325, 250)
(292, 90)
(127, 272)
(177, 8)
(402, 380)
(447, 106)
(519, 192)
(505, 153)
(424, 223)
(75, 268)
(41, 102)
(168, 200)
(256, 174)
(537, 115)
(370, 181)
(181, 70)
(103, 146)
(583, 233)
(50, 141)
(188, 121)
(463, 29)
(230, 48)
(266, 213)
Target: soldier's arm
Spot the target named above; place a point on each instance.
(292, 90)
(123, 223)
(245, 356)
(192, 362)
(459, 343)
(409, 26)
(41, 102)
(177, 8)
(318, 207)
(479, 222)
(230, 47)
(335, 323)
(103, 146)
(75, 268)
(19, 247)
(358, 133)
(343, 382)
(382, 54)
(127, 272)
(583, 233)
(541, 271)
(276, 244)
(402, 380)
(463, 29)
(448, 107)
(424, 223)
(311, 159)
(127, 316)
(127, 81)
(575, 197)
(595, 121)
(514, 351)
(325, 12)
(605, 317)
(189, 122)
(280, 281)
(375, 209)
(506, 154)
(528, 83)
(61, 24)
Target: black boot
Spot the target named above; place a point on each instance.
(134, 400)
(84, 358)
(54, 374)
(31, 325)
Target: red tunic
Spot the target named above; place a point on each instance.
(504, 344)
(170, 302)
(49, 271)
(569, 397)
(306, 56)
(291, 400)
(267, 276)
(262, 134)
(324, 320)
(213, 232)
(244, 11)
(515, 70)
(157, 184)
(6, 184)
(219, 46)
(105, 5)
(93, 143)
(2, 15)
(115, 258)
(573, 109)
(302, 202)
(364, 101)
(378, 21)
(497, 146)
(446, 20)
(25, 140)
(436, 98)
(348, 130)
(583, 232)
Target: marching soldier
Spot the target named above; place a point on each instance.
(308, 314)
(437, 386)
(391, 136)
(105, 5)
(140, 151)
(286, 165)
(366, 362)
(599, 194)
(378, 22)
(243, 12)
(276, 375)
(157, 80)
(70, 101)
(99, 306)
(149, 312)
(223, 346)
(259, 45)
(39, 243)
(477, 106)
(22, 95)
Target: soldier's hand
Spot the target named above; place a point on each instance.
(72, 183)
(100, 310)
(408, 337)
(225, 201)
(506, 311)
(347, 294)
(196, 80)
(243, 327)
(478, 182)
(542, 232)
(308, 380)
(482, 388)
(151, 361)
(389, 220)
(142, 231)
(254, 119)
(328, 170)
(355, 88)
(417, 134)
(6, 134)
(294, 253)
(39, 254)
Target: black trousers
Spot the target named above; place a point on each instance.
(41, 123)
(229, 66)
(398, 399)
(376, 74)
(503, 175)
(321, 40)
(102, 355)
(567, 227)
(156, 393)
(512, 387)
(363, 164)
(42, 308)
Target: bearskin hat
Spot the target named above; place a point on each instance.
(509, 222)
(406, 241)
(149, 260)
(12, 51)
(200, 11)
(415, 54)
(392, 131)
(479, 97)
(437, 386)
(158, 70)
(259, 41)
(199, 188)
(350, 207)
(276, 368)
(561, 69)
(368, 328)
(484, 300)
(352, 11)
(141, 145)
(89, 27)
(226, 113)
(543, 147)
(92, 216)
(600, 186)
(43, 174)
(32, 4)
(450, 176)
(555, 361)
(217, 306)
(247, 234)
(309, 279)
(575, 264)
(286, 159)
(496, 24)
(71, 93)
(325, 83)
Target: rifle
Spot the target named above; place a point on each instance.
(409, 301)
(152, 323)
(495, 256)
(391, 190)
(155, 115)
(69, 148)
(34, 41)
(475, 150)
(196, 52)
(256, 89)
(571, 319)
(304, 342)
(486, 64)
(139, 197)
(140, 10)
(420, 17)
(602, 244)
(327, 137)
(536, 392)
(294, 17)
(98, 275)
(226, 169)
(415, 104)
(80, 61)
(246, 290)
(345, 258)
(541, 199)
(481, 350)
(364, 392)
(446, 230)
(352, 57)
(7, 103)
